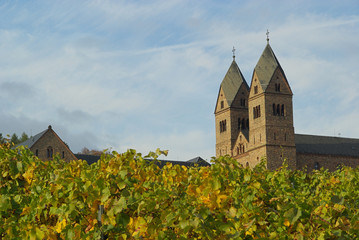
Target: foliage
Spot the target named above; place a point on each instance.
(59, 200)
(14, 138)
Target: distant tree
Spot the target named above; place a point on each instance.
(15, 139)
(24, 137)
(87, 151)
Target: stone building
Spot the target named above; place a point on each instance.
(47, 144)
(257, 121)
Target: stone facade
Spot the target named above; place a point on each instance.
(269, 133)
(47, 144)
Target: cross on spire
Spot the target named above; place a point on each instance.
(267, 33)
(233, 51)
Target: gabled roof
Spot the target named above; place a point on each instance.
(90, 159)
(327, 145)
(266, 66)
(232, 81)
(32, 140)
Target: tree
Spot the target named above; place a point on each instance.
(24, 137)
(15, 139)
(2, 140)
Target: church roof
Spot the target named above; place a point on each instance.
(232, 81)
(32, 140)
(266, 66)
(327, 145)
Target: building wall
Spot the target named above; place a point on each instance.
(330, 162)
(50, 140)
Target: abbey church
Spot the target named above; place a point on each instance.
(256, 121)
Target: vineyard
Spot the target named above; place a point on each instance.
(60, 200)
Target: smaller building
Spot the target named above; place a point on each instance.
(47, 144)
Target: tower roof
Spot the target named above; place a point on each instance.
(232, 81)
(266, 66)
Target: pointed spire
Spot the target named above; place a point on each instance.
(266, 66)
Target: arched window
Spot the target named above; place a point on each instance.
(37, 152)
(278, 110)
(277, 87)
(254, 112)
(243, 124)
(63, 154)
(247, 125)
(239, 124)
(316, 166)
(259, 110)
(222, 104)
(282, 110)
(274, 110)
(49, 152)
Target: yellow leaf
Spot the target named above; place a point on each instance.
(60, 225)
(220, 200)
(25, 211)
(286, 223)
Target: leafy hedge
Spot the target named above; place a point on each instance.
(59, 200)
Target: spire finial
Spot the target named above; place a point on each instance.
(233, 51)
(267, 33)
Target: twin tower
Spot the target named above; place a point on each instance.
(256, 122)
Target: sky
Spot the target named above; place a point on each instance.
(146, 74)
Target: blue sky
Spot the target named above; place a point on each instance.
(146, 74)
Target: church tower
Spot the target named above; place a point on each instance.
(231, 112)
(271, 132)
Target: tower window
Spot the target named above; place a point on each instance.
(247, 125)
(257, 111)
(243, 102)
(243, 124)
(278, 110)
(274, 110)
(255, 89)
(222, 126)
(282, 110)
(239, 124)
(277, 87)
(222, 104)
